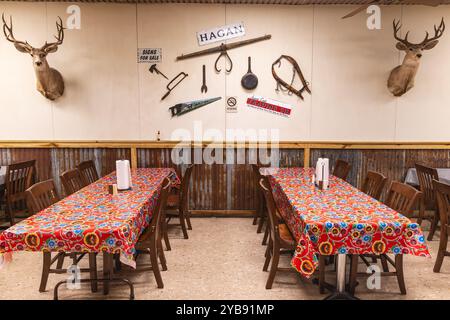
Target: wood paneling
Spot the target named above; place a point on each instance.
(227, 187)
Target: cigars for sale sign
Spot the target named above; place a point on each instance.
(269, 105)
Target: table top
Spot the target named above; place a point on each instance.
(340, 220)
(412, 179)
(92, 220)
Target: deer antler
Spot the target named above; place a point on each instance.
(59, 38)
(397, 26)
(438, 32)
(8, 31)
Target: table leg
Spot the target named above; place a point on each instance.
(107, 271)
(340, 293)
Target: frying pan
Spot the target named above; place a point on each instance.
(249, 81)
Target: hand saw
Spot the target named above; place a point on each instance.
(185, 107)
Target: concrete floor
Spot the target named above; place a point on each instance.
(222, 259)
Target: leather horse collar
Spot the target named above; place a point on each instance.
(284, 84)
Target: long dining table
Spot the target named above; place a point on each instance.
(93, 220)
(338, 221)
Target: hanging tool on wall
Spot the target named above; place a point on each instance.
(180, 77)
(185, 107)
(289, 87)
(249, 81)
(223, 48)
(204, 88)
(154, 69)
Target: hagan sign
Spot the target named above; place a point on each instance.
(220, 33)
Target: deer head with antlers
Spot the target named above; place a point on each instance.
(402, 77)
(49, 81)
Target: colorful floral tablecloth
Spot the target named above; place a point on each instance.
(340, 220)
(92, 220)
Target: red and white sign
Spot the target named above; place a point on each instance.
(269, 105)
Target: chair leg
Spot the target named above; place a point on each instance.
(60, 261)
(165, 234)
(433, 227)
(182, 223)
(266, 235)
(353, 273)
(162, 257)
(321, 274)
(273, 266)
(442, 249)
(421, 212)
(155, 266)
(399, 272)
(45, 270)
(384, 263)
(93, 270)
(117, 263)
(188, 219)
(260, 224)
(268, 256)
(10, 214)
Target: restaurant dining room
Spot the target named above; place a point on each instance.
(203, 151)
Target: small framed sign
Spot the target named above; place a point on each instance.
(220, 33)
(149, 55)
(231, 106)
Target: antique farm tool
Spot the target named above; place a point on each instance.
(154, 69)
(368, 3)
(223, 48)
(180, 77)
(204, 88)
(249, 81)
(182, 108)
(49, 82)
(402, 77)
(289, 87)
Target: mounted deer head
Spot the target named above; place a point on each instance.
(49, 81)
(402, 77)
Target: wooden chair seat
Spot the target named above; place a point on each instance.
(287, 239)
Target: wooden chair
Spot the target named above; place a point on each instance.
(177, 206)
(280, 238)
(150, 240)
(18, 179)
(40, 196)
(443, 202)
(428, 201)
(374, 184)
(88, 172)
(401, 198)
(71, 181)
(341, 169)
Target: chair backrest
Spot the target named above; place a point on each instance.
(374, 184)
(402, 198)
(426, 175)
(71, 181)
(271, 208)
(443, 204)
(18, 179)
(41, 195)
(341, 169)
(184, 188)
(88, 172)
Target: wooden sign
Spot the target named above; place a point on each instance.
(149, 55)
(220, 33)
(273, 106)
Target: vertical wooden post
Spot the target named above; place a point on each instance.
(134, 162)
(306, 156)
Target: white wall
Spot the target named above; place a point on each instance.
(111, 97)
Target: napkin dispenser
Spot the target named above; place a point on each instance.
(322, 173)
(123, 172)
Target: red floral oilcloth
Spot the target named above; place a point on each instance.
(340, 220)
(92, 220)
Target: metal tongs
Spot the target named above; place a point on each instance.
(181, 76)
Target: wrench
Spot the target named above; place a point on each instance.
(204, 88)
